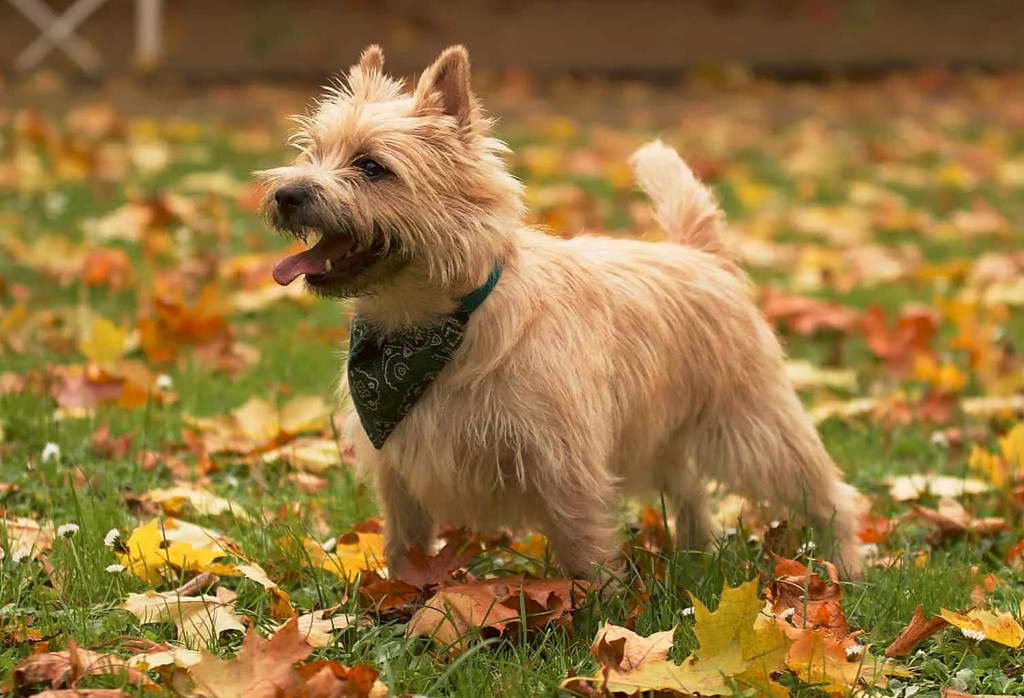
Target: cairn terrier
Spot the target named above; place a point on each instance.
(507, 378)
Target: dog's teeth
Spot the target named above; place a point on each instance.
(328, 265)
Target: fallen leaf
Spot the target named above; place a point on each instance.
(810, 601)
(162, 547)
(68, 667)
(905, 488)
(981, 624)
(917, 631)
(203, 502)
(316, 630)
(199, 619)
(261, 669)
(25, 537)
(424, 570)
(951, 520)
(354, 553)
(455, 611)
(624, 650)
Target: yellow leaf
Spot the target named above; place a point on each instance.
(980, 624)
(312, 454)
(199, 619)
(819, 658)
(302, 414)
(257, 420)
(365, 553)
(102, 341)
(156, 546)
(206, 503)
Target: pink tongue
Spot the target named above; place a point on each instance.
(309, 262)
(313, 260)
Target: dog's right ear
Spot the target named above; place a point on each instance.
(447, 80)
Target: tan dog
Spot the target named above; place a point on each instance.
(594, 367)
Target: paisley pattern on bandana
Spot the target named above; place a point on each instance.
(387, 374)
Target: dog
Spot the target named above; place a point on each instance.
(586, 368)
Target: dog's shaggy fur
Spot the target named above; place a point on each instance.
(595, 367)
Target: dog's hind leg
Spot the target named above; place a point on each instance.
(406, 523)
(768, 449)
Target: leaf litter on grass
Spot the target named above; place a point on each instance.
(138, 299)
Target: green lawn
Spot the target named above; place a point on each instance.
(909, 191)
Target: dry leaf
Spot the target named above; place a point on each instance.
(25, 538)
(951, 519)
(981, 624)
(917, 631)
(166, 546)
(905, 488)
(199, 619)
(261, 669)
(173, 499)
(624, 650)
(68, 667)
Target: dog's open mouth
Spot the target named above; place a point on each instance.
(333, 258)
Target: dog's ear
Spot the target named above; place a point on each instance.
(372, 59)
(447, 80)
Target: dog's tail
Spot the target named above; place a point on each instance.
(684, 207)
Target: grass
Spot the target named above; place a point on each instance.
(298, 346)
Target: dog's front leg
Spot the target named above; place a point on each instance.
(406, 523)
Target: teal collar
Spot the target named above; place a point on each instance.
(388, 373)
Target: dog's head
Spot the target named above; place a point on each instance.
(388, 182)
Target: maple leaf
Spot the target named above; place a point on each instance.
(624, 650)
(455, 611)
(311, 454)
(25, 537)
(101, 340)
(951, 520)
(386, 594)
(69, 666)
(835, 664)
(738, 647)
(424, 570)
(805, 315)
(917, 631)
(815, 603)
(261, 669)
(325, 679)
(179, 545)
(981, 624)
(257, 425)
(316, 629)
(199, 619)
(173, 499)
(354, 553)
(913, 333)
(904, 488)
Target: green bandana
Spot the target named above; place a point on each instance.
(388, 374)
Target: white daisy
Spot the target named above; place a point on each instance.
(330, 544)
(67, 530)
(51, 451)
(20, 554)
(688, 611)
(853, 651)
(114, 569)
(974, 634)
(807, 548)
(787, 613)
(164, 382)
(110, 540)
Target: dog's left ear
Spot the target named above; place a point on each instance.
(447, 80)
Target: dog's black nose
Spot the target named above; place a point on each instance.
(291, 196)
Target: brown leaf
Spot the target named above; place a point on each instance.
(110, 447)
(951, 520)
(67, 667)
(81, 693)
(624, 650)
(324, 679)
(912, 335)
(425, 570)
(491, 605)
(917, 631)
(261, 669)
(386, 594)
(815, 603)
(805, 315)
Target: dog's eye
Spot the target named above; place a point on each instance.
(370, 167)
